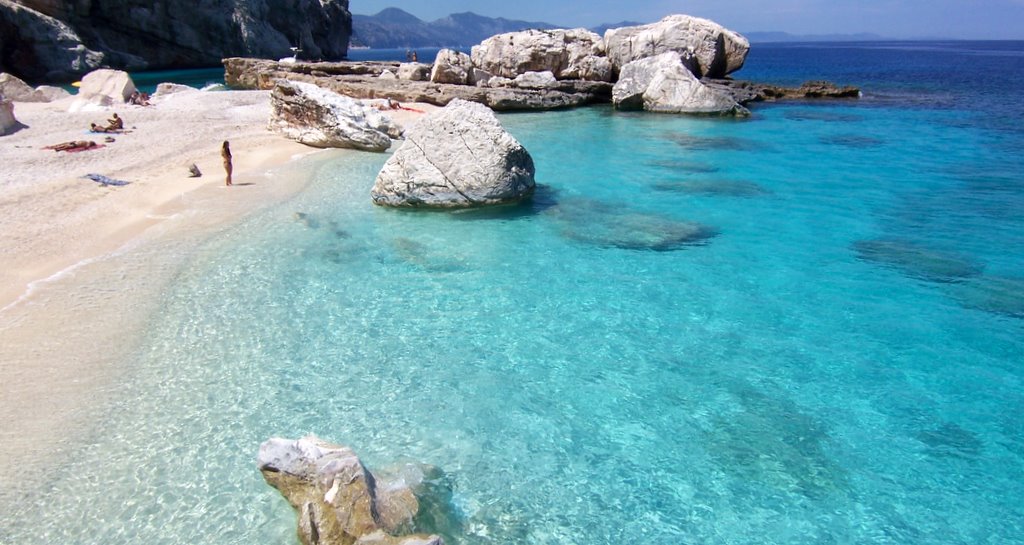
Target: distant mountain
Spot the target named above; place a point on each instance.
(395, 28)
(762, 37)
(600, 29)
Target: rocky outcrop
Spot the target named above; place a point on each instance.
(38, 47)
(357, 80)
(47, 40)
(663, 84)
(103, 88)
(456, 157)
(17, 90)
(746, 92)
(324, 119)
(535, 80)
(707, 48)
(569, 54)
(453, 67)
(7, 121)
(338, 501)
(414, 71)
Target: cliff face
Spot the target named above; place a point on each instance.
(155, 34)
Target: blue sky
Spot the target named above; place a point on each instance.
(980, 19)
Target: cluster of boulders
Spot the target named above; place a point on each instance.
(337, 500)
(686, 49)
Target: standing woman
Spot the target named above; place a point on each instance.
(225, 153)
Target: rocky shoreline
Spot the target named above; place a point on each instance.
(362, 79)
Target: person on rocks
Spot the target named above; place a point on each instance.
(225, 153)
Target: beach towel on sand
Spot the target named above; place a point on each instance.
(104, 180)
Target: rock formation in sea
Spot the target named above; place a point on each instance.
(451, 66)
(337, 500)
(8, 123)
(48, 40)
(709, 49)
(456, 157)
(917, 261)
(663, 84)
(568, 54)
(324, 119)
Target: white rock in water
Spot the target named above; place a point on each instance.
(324, 119)
(452, 66)
(663, 84)
(568, 54)
(715, 50)
(456, 157)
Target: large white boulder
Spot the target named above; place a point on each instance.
(7, 121)
(568, 54)
(451, 66)
(664, 84)
(17, 90)
(710, 49)
(324, 119)
(414, 71)
(103, 88)
(536, 80)
(456, 157)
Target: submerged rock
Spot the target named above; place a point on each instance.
(663, 84)
(608, 226)
(917, 261)
(456, 157)
(338, 501)
(708, 48)
(696, 142)
(324, 119)
(567, 54)
(951, 440)
(723, 188)
(1002, 295)
(688, 167)
(853, 141)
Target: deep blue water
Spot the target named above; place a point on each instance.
(802, 328)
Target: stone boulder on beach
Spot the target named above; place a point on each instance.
(7, 121)
(451, 66)
(568, 54)
(707, 48)
(337, 500)
(324, 119)
(456, 157)
(663, 84)
(17, 90)
(102, 89)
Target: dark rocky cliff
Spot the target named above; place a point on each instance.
(53, 40)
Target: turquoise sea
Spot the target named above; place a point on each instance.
(837, 356)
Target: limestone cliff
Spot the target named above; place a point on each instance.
(52, 40)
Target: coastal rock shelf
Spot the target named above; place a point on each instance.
(361, 80)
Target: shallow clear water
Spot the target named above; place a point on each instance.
(839, 363)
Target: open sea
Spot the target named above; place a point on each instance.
(806, 327)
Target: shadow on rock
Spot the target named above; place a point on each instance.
(544, 197)
(1002, 295)
(608, 226)
(695, 142)
(917, 261)
(717, 188)
(686, 167)
(852, 141)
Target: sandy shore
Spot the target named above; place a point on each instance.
(82, 265)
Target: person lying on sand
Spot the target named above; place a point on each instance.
(96, 128)
(74, 145)
(139, 99)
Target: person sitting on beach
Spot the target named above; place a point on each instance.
(139, 99)
(115, 123)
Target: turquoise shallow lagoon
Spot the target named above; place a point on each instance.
(836, 359)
